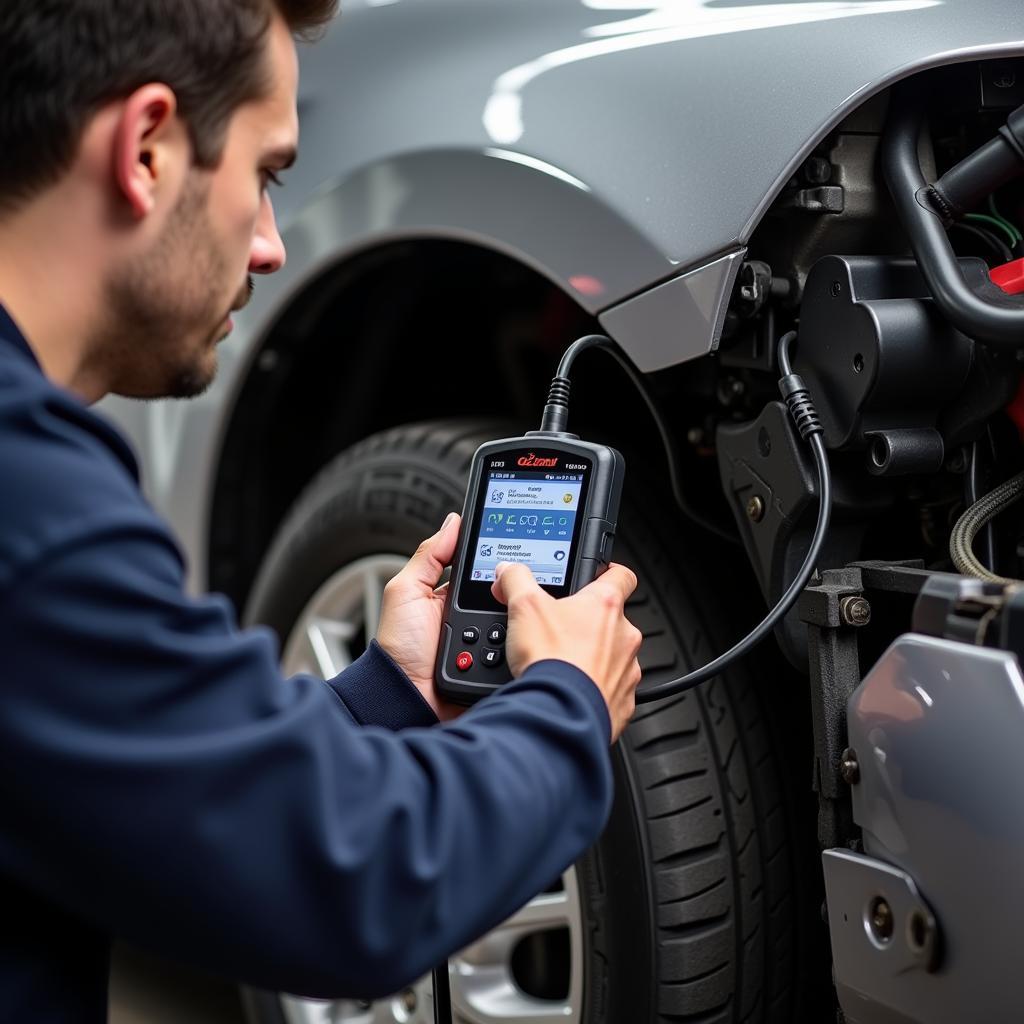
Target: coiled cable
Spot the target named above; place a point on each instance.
(961, 540)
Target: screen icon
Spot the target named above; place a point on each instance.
(497, 497)
(485, 551)
(559, 556)
(567, 499)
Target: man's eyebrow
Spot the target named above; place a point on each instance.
(282, 158)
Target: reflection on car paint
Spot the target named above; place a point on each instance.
(670, 21)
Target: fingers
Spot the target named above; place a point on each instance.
(513, 580)
(618, 579)
(433, 555)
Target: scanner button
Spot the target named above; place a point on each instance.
(607, 543)
(496, 634)
(470, 635)
(492, 657)
(464, 661)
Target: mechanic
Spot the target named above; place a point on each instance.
(160, 780)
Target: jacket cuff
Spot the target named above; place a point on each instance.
(562, 672)
(377, 692)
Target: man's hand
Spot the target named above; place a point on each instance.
(589, 630)
(411, 614)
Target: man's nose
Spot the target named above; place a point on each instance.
(267, 255)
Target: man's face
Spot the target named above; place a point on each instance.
(168, 310)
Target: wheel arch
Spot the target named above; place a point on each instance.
(470, 329)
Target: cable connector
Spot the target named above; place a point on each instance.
(556, 411)
(801, 407)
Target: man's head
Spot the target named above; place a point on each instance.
(154, 127)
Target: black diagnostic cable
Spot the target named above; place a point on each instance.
(442, 995)
(556, 415)
(798, 401)
(801, 408)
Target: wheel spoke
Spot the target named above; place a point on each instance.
(549, 910)
(542, 913)
(483, 988)
(373, 594)
(329, 642)
(490, 997)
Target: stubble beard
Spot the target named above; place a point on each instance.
(166, 310)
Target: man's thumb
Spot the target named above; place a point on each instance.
(431, 557)
(511, 580)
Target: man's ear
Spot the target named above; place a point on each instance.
(149, 144)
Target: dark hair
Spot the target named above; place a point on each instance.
(61, 60)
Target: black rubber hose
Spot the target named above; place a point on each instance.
(977, 176)
(1000, 325)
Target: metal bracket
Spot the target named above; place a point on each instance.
(833, 610)
(880, 928)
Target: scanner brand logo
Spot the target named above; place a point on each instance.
(534, 460)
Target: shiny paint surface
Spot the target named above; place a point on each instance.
(610, 144)
(938, 729)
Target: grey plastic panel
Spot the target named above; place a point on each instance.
(678, 320)
(938, 728)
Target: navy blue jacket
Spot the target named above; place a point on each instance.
(160, 780)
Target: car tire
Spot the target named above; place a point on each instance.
(689, 901)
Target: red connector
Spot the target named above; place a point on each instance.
(1009, 277)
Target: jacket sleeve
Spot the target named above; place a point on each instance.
(377, 692)
(162, 781)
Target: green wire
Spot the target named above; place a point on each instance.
(1011, 231)
(995, 213)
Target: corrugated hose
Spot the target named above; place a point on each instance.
(961, 540)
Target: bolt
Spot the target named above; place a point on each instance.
(855, 611)
(817, 170)
(755, 509)
(695, 436)
(836, 290)
(849, 767)
(880, 919)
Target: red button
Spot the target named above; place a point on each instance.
(464, 661)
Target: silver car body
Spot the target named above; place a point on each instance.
(626, 149)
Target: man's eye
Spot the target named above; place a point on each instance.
(271, 178)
